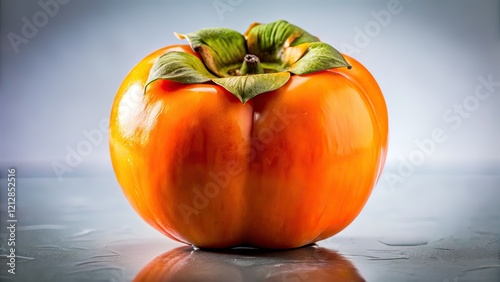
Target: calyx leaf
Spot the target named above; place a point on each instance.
(267, 41)
(246, 87)
(222, 49)
(318, 56)
(179, 67)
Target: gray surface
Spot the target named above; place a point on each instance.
(433, 228)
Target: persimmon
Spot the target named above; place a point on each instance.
(269, 139)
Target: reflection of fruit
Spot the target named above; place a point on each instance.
(309, 263)
(289, 167)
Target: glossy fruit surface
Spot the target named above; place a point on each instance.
(287, 168)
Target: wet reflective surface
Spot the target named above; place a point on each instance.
(430, 228)
(310, 263)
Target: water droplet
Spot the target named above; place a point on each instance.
(384, 251)
(105, 256)
(52, 247)
(83, 233)
(361, 256)
(390, 258)
(114, 252)
(86, 262)
(494, 266)
(404, 241)
(482, 273)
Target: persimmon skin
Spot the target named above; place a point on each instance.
(288, 168)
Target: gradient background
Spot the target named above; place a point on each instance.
(427, 59)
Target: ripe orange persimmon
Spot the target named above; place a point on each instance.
(269, 139)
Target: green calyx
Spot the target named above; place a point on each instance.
(261, 60)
